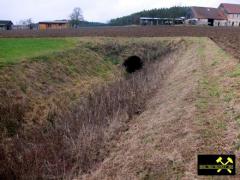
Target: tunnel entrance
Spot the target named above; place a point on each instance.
(133, 63)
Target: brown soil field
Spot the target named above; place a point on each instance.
(226, 37)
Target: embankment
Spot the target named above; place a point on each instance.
(59, 111)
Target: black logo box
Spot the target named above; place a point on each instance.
(211, 160)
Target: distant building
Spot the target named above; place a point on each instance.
(225, 15)
(62, 24)
(22, 27)
(160, 21)
(232, 11)
(206, 16)
(5, 25)
(25, 27)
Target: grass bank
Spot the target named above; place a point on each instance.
(49, 82)
(60, 110)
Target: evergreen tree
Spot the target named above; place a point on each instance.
(173, 12)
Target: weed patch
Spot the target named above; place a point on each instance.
(229, 96)
(236, 72)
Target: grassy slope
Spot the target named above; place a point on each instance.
(196, 111)
(50, 86)
(17, 49)
(53, 80)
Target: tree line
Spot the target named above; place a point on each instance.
(77, 20)
(173, 12)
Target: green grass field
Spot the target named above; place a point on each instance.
(14, 50)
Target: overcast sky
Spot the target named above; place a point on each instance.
(93, 10)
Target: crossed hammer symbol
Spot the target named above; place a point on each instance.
(219, 160)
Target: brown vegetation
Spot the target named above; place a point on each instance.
(194, 111)
(75, 136)
(43, 84)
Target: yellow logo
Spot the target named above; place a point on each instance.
(224, 165)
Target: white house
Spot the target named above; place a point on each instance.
(207, 16)
(225, 15)
(232, 11)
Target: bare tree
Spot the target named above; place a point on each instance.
(27, 22)
(76, 17)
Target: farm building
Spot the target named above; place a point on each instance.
(225, 15)
(63, 24)
(24, 27)
(232, 11)
(6, 25)
(160, 21)
(206, 16)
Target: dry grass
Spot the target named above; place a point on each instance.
(195, 110)
(164, 141)
(76, 136)
(60, 79)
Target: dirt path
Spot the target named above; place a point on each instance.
(189, 115)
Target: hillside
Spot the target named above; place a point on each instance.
(173, 12)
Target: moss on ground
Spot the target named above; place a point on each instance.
(236, 72)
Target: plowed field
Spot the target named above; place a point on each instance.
(227, 37)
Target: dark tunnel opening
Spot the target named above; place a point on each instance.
(132, 64)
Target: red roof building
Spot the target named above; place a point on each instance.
(232, 11)
(208, 13)
(225, 15)
(207, 16)
(230, 8)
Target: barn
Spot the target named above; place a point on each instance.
(63, 24)
(160, 21)
(232, 11)
(5, 25)
(207, 16)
